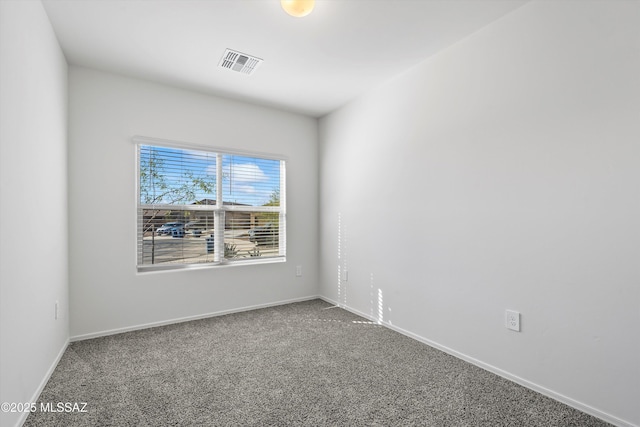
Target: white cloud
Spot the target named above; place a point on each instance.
(245, 189)
(244, 172)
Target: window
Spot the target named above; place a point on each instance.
(198, 207)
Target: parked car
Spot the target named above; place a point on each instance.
(264, 235)
(195, 227)
(169, 227)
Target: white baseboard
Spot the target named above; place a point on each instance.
(504, 374)
(43, 383)
(187, 319)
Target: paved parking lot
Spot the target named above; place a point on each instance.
(191, 248)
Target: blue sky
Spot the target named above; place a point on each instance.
(246, 180)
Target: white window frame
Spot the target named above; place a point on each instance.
(218, 209)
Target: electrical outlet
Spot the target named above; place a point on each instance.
(512, 319)
(298, 270)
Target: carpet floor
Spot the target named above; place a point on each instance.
(297, 364)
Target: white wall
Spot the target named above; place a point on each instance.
(106, 292)
(507, 171)
(33, 202)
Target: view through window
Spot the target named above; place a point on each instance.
(200, 207)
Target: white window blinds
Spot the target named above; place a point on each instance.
(199, 207)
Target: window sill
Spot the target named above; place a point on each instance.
(182, 267)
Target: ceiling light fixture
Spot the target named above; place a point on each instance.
(297, 8)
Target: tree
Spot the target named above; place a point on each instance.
(271, 217)
(268, 231)
(155, 189)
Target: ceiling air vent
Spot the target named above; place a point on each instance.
(239, 62)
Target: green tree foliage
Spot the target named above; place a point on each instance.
(271, 217)
(154, 189)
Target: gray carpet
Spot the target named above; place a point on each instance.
(296, 364)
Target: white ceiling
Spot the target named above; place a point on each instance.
(312, 65)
